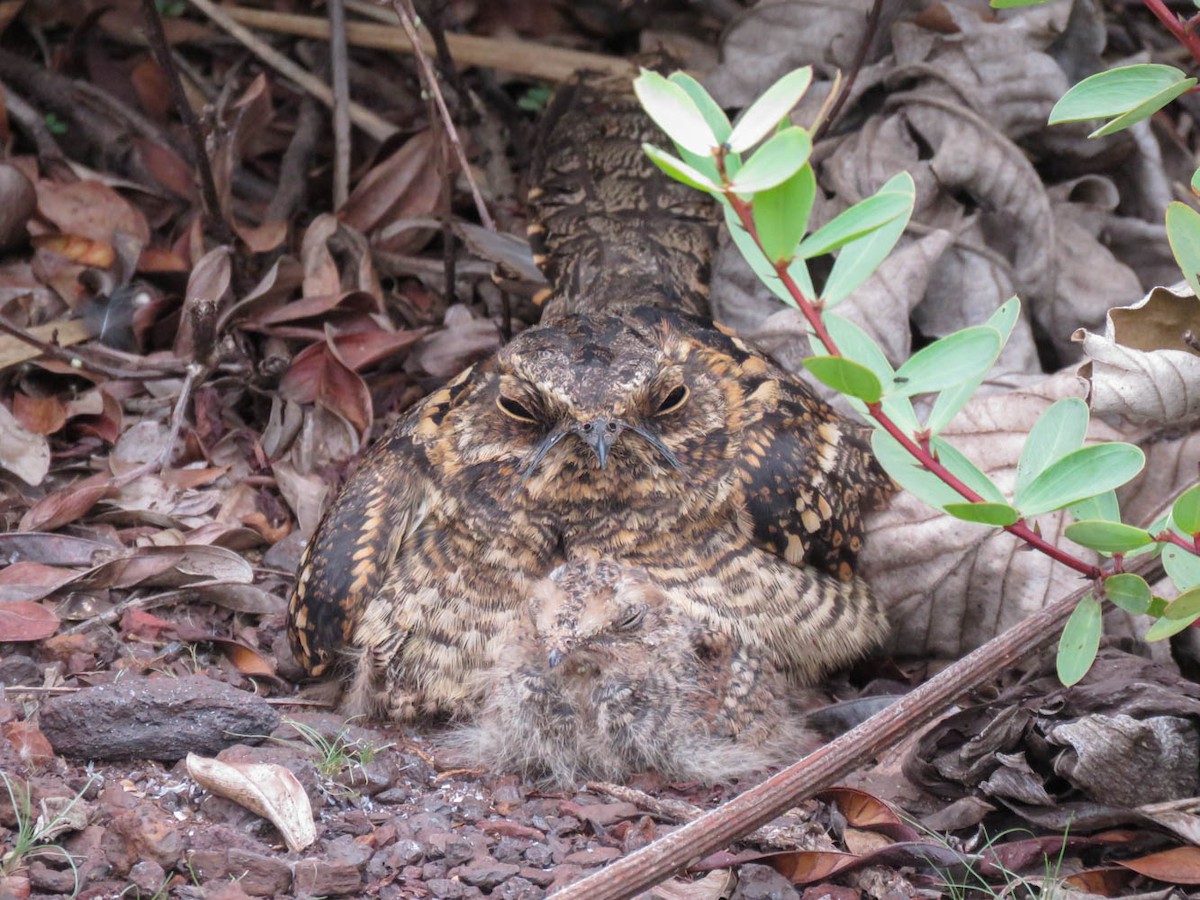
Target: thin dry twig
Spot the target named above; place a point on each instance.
(408, 18)
(208, 185)
(518, 57)
(74, 331)
(374, 125)
(340, 76)
(162, 459)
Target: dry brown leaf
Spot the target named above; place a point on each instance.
(265, 789)
(66, 505)
(318, 376)
(1140, 369)
(28, 580)
(90, 210)
(24, 620)
(405, 184)
(713, 886)
(25, 454)
(1178, 866)
(40, 415)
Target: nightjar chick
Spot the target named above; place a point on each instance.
(605, 677)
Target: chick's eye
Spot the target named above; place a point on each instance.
(632, 620)
(673, 401)
(514, 410)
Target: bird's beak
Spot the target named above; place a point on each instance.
(600, 434)
(555, 657)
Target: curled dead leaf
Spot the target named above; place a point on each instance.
(266, 789)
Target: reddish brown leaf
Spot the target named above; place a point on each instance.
(83, 250)
(807, 866)
(29, 742)
(316, 307)
(66, 505)
(247, 660)
(1178, 866)
(262, 238)
(155, 260)
(1109, 881)
(27, 581)
(24, 620)
(91, 210)
(107, 425)
(41, 415)
(363, 348)
(151, 88)
(318, 376)
(139, 623)
(862, 810)
(167, 168)
(403, 185)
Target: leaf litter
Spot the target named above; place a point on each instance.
(138, 546)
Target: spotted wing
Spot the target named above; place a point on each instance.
(351, 554)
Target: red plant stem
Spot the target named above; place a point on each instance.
(1182, 31)
(921, 454)
(1170, 537)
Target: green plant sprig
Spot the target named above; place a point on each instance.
(768, 194)
(920, 449)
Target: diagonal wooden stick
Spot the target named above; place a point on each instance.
(718, 828)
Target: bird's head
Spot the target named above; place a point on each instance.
(596, 402)
(583, 608)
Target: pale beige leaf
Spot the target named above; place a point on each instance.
(1140, 369)
(713, 886)
(266, 789)
(25, 454)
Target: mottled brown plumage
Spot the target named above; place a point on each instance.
(622, 428)
(605, 677)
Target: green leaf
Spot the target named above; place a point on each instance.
(1128, 591)
(675, 113)
(717, 121)
(781, 213)
(1186, 511)
(954, 359)
(1185, 606)
(1107, 537)
(1079, 642)
(1165, 627)
(860, 219)
(1183, 234)
(966, 471)
(1182, 567)
(1130, 93)
(1102, 506)
(953, 399)
(774, 162)
(679, 170)
(846, 377)
(856, 344)
(769, 110)
(858, 259)
(1059, 430)
(1000, 514)
(1083, 473)
(905, 470)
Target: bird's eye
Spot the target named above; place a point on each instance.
(514, 410)
(673, 401)
(632, 620)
